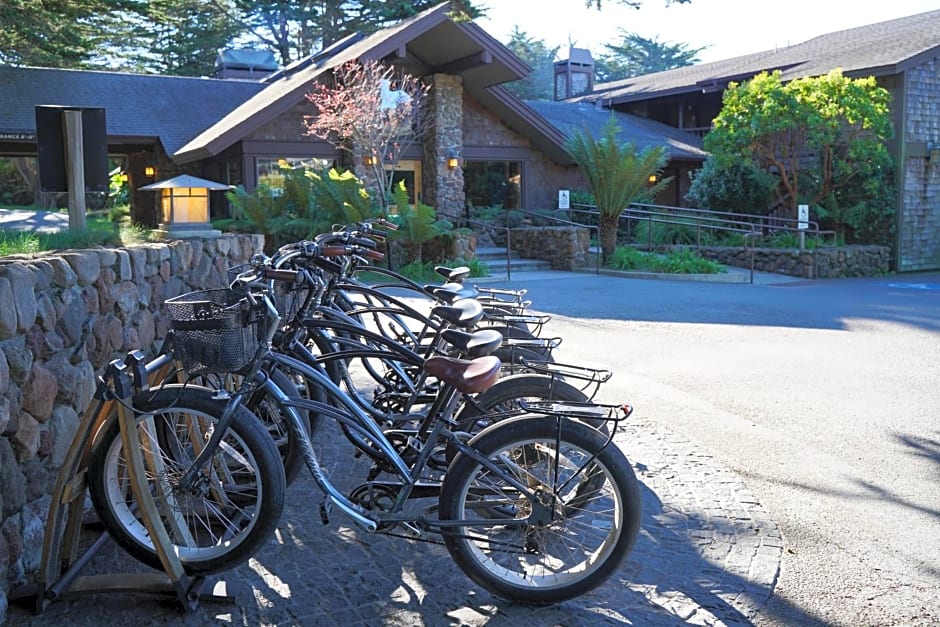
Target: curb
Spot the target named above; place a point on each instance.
(733, 275)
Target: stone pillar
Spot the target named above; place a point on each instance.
(443, 187)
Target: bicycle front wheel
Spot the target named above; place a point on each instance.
(221, 521)
(560, 546)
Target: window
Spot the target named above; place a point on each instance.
(493, 183)
(271, 171)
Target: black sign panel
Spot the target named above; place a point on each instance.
(50, 138)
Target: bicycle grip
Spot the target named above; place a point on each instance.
(290, 276)
(391, 226)
(364, 242)
(333, 251)
(373, 254)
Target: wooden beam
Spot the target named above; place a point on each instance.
(484, 57)
(75, 168)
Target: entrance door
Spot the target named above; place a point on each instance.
(409, 171)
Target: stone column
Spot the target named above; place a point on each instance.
(443, 187)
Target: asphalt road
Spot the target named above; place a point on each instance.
(822, 395)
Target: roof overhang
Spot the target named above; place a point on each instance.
(526, 121)
(429, 43)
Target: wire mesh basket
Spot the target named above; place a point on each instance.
(215, 331)
(288, 298)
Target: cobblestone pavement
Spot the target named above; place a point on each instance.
(707, 554)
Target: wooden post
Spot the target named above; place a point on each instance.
(75, 168)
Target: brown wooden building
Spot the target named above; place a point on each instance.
(235, 130)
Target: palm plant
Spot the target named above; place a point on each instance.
(617, 174)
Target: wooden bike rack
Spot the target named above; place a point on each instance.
(61, 565)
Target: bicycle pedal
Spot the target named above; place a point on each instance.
(326, 508)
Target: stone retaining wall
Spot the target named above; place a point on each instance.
(63, 318)
(821, 263)
(566, 247)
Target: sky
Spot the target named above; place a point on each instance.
(724, 28)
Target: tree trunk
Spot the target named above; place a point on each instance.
(608, 236)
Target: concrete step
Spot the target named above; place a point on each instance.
(495, 260)
(494, 253)
(522, 264)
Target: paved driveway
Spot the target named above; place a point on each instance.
(41, 221)
(786, 418)
(822, 395)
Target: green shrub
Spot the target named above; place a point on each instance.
(684, 261)
(679, 261)
(667, 229)
(304, 203)
(418, 226)
(628, 258)
(736, 188)
(581, 197)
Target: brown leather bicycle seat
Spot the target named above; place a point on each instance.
(470, 376)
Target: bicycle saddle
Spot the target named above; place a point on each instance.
(451, 292)
(476, 344)
(456, 275)
(463, 313)
(470, 376)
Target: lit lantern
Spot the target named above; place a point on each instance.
(184, 205)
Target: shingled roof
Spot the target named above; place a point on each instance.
(878, 49)
(138, 107)
(641, 132)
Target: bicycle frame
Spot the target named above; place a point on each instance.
(367, 435)
(410, 484)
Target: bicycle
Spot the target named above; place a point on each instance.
(509, 505)
(339, 338)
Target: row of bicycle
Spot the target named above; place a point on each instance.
(474, 436)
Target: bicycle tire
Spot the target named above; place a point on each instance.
(514, 358)
(581, 542)
(501, 400)
(515, 333)
(247, 504)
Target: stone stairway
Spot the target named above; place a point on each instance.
(495, 260)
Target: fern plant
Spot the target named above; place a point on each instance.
(417, 224)
(307, 203)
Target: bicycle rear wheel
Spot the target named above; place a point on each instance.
(231, 512)
(561, 542)
(502, 400)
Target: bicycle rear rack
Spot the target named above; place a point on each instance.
(582, 377)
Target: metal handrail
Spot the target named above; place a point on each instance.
(749, 225)
(754, 222)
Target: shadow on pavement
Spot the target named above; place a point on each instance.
(704, 556)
